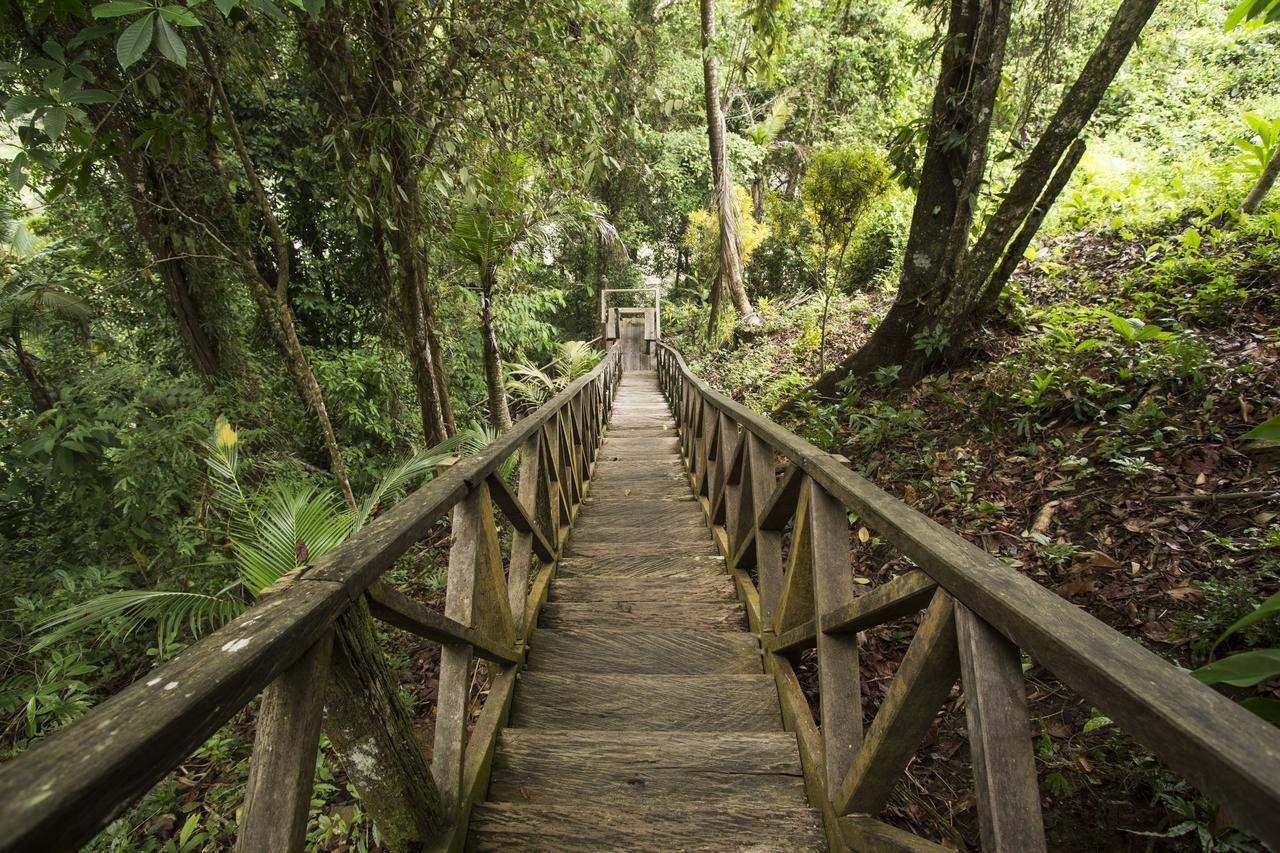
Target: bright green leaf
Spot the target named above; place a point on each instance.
(1243, 670)
(1268, 430)
(1270, 607)
(180, 15)
(55, 121)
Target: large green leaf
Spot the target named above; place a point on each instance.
(170, 43)
(1243, 670)
(1270, 607)
(117, 8)
(134, 41)
(132, 608)
(1268, 430)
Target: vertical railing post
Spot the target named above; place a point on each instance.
(840, 690)
(1004, 767)
(476, 595)
(283, 767)
(531, 490)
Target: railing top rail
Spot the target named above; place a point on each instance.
(1228, 752)
(89, 771)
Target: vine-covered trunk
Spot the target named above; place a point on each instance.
(499, 413)
(947, 287)
(1263, 185)
(41, 399)
(729, 276)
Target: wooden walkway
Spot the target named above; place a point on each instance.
(644, 719)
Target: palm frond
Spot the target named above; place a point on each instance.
(576, 358)
(477, 437)
(133, 608)
(415, 469)
(295, 524)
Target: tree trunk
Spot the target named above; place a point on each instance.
(165, 258)
(499, 414)
(946, 287)
(729, 275)
(308, 387)
(1260, 189)
(41, 399)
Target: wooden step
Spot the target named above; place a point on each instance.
(697, 703)
(661, 824)
(707, 589)
(646, 520)
(636, 652)
(640, 566)
(630, 769)
(660, 615)
(643, 543)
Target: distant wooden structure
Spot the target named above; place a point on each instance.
(637, 329)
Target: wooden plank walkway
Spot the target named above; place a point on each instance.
(645, 720)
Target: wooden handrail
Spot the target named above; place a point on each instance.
(1227, 752)
(64, 790)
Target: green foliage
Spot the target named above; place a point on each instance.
(841, 186)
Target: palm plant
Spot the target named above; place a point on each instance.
(534, 385)
(272, 530)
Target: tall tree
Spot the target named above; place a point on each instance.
(729, 274)
(948, 283)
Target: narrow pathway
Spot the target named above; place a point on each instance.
(645, 720)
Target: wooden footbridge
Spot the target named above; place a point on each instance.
(671, 552)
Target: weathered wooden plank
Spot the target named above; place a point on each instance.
(660, 824)
(906, 594)
(919, 687)
(548, 700)
(795, 605)
(1004, 768)
(520, 516)
(670, 545)
(782, 503)
(664, 615)
(840, 690)
(706, 589)
(802, 636)
(58, 794)
(642, 650)
(631, 768)
(868, 835)
(282, 770)
(389, 605)
(641, 566)
(534, 497)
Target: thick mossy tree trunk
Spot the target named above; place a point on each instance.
(948, 286)
(1263, 185)
(495, 384)
(729, 276)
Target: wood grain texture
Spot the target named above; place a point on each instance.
(641, 566)
(701, 703)
(906, 594)
(1004, 768)
(389, 605)
(919, 687)
(632, 768)
(670, 614)
(707, 589)
(282, 770)
(868, 835)
(660, 824)
(644, 652)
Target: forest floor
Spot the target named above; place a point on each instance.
(1108, 469)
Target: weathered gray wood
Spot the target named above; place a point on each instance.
(704, 589)
(1004, 768)
(58, 794)
(1219, 746)
(757, 769)
(868, 835)
(661, 824)
(780, 505)
(802, 636)
(639, 651)
(906, 594)
(673, 544)
(795, 605)
(715, 703)
(840, 690)
(641, 566)
(389, 605)
(919, 687)
(283, 767)
(372, 731)
(520, 517)
(667, 615)
(534, 498)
